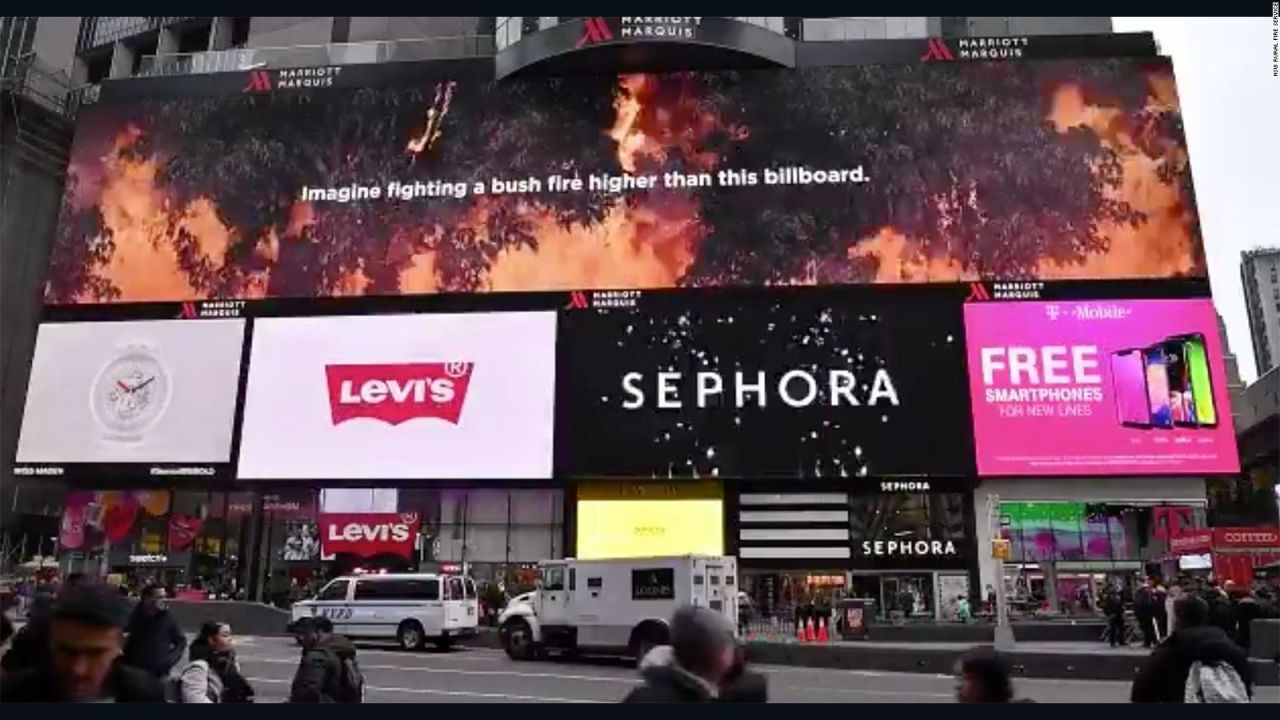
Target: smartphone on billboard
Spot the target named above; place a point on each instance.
(1182, 407)
(1158, 387)
(1129, 385)
(1197, 362)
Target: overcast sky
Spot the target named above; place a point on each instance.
(1231, 109)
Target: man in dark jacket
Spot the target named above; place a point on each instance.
(323, 675)
(702, 655)
(1144, 611)
(155, 642)
(30, 646)
(1113, 607)
(85, 641)
(1248, 608)
(1194, 639)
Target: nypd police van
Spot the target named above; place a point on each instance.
(411, 608)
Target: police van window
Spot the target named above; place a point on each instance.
(375, 590)
(455, 588)
(470, 586)
(595, 583)
(573, 578)
(425, 589)
(336, 590)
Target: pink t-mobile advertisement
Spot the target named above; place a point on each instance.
(1098, 388)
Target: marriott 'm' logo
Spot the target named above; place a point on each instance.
(937, 50)
(259, 81)
(594, 30)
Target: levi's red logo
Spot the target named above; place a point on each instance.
(398, 393)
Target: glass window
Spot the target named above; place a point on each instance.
(469, 586)
(553, 578)
(336, 590)
(921, 516)
(456, 591)
(595, 583)
(573, 579)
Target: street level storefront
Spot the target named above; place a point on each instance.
(261, 545)
(1070, 538)
(904, 546)
(1230, 553)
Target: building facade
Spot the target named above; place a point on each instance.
(642, 410)
(1260, 276)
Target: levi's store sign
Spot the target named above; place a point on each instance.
(369, 534)
(831, 382)
(398, 393)
(1098, 388)
(424, 396)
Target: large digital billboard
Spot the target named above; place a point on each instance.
(440, 396)
(134, 394)
(813, 383)
(429, 184)
(1098, 388)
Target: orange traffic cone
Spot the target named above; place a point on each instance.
(808, 630)
(822, 630)
(799, 630)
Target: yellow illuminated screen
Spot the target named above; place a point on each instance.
(649, 528)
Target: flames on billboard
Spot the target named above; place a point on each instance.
(1062, 169)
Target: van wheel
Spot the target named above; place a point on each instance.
(410, 635)
(517, 639)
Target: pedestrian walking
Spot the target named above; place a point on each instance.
(1161, 596)
(702, 664)
(86, 638)
(1198, 662)
(212, 673)
(1113, 607)
(1144, 611)
(155, 643)
(30, 645)
(328, 671)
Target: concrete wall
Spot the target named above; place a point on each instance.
(287, 31)
(1147, 490)
(55, 41)
(410, 28)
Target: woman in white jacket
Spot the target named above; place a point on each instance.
(212, 674)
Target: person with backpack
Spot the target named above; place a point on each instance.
(328, 672)
(1198, 662)
(212, 674)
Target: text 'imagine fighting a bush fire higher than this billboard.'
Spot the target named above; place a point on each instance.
(1006, 170)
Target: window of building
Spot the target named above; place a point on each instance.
(908, 516)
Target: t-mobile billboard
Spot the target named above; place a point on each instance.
(1092, 388)
(298, 184)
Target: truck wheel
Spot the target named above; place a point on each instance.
(410, 635)
(517, 639)
(645, 638)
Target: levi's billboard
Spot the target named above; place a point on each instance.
(428, 396)
(423, 183)
(818, 383)
(1098, 388)
(368, 534)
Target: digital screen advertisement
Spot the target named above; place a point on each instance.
(621, 520)
(812, 384)
(400, 397)
(1100, 387)
(958, 171)
(132, 393)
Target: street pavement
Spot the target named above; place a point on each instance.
(487, 675)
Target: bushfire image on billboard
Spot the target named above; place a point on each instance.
(1053, 169)
(749, 384)
(1063, 388)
